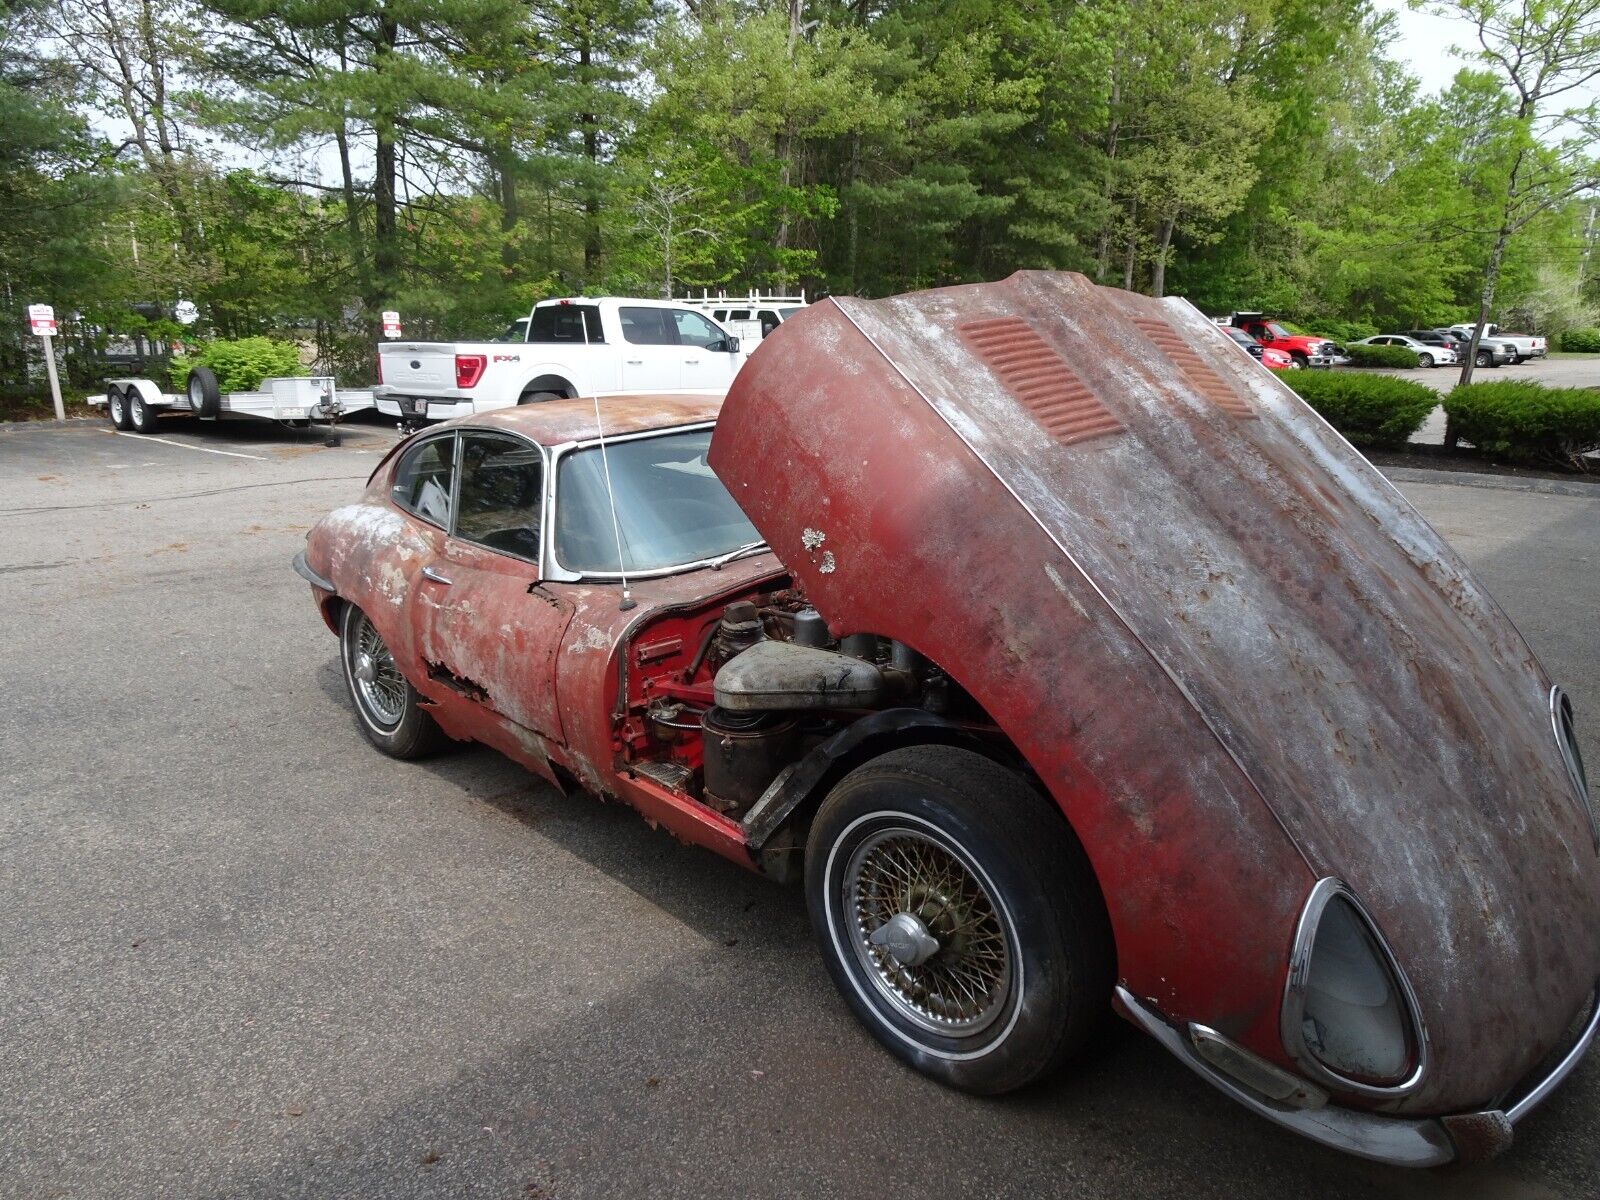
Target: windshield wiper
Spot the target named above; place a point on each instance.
(716, 564)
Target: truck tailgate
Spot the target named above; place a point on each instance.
(419, 368)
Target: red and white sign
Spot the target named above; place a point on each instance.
(42, 320)
(391, 324)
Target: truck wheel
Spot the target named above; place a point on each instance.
(117, 408)
(959, 917)
(204, 395)
(1516, 360)
(386, 703)
(538, 397)
(1300, 360)
(1484, 359)
(140, 414)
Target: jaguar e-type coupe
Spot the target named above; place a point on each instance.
(1071, 661)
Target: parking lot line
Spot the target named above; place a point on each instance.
(150, 437)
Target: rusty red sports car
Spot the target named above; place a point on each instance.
(1070, 660)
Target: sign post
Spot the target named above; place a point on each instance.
(391, 324)
(42, 322)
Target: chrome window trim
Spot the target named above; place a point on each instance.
(1294, 999)
(455, 470)
(567, 574)
(1558, 701)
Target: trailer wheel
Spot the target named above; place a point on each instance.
(142, 416)
(959, 917)
(204, 395)
(117, 408)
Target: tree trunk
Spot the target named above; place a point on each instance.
(503, 162)
(385, 229)
(592, 246)
(1102, 260)
(1158, 273)
(1133, 246)
(1491, 277)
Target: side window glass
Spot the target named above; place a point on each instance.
(502, 486)
(695, 330)
(422, 480)
(769, 321)
(572, 323)
(739, 314)
(648, 326)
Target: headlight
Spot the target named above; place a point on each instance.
(1349, 1017)
(1567, 740)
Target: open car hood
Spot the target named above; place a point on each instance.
(1340, 652)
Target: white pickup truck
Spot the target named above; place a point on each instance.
(582, 346)
(1523, 346)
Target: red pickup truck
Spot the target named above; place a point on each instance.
(1306, 349)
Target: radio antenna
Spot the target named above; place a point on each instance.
(611, 498)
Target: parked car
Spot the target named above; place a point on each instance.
(1275, 360)
(752, 317)
(577, 346)
(1523, 345)
(1438, 337)
(1490, 352)
(1429, 354)
(1307, 350)
(1064, 681)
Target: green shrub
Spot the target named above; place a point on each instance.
(240, 363)
(1381, 356)
(1581, 341)
(1370, 410)
(1346, 331)
(1528, 422)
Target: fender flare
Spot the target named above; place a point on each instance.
(557, 379)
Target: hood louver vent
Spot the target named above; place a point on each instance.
(1040, 379)
(1201, 377)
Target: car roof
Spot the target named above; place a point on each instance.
(635, 301)
(554, 422)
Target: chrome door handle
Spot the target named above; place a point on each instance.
(691, 362)
(437, 576)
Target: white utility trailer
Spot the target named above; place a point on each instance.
(137, 404)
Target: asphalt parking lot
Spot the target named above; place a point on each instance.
(244, 955)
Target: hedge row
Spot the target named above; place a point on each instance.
(1581, 341)
(1381, 356)
(240, 363)
(1528, 422)
(1370, 410)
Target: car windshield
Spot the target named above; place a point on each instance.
(671, 510)
(1240, 336)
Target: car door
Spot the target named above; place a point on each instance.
(487, 632)
(652, 359)
(707, 364)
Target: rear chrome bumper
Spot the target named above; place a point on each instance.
(303, 569)
(1396, 1141)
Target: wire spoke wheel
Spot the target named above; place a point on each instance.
(927, 932)
(380, 685)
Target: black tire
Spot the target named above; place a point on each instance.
(1424, 360)
(1021, 881)
(141, 415)
(1300, 359)
(405, 733)
(1516, 360)
(1484, 359)
(539, 397)
(205, 397)
(117, 408)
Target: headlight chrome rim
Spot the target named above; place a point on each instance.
(1562, 724)
(1294, 1000)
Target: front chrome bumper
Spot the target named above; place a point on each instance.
(1397, 1141)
